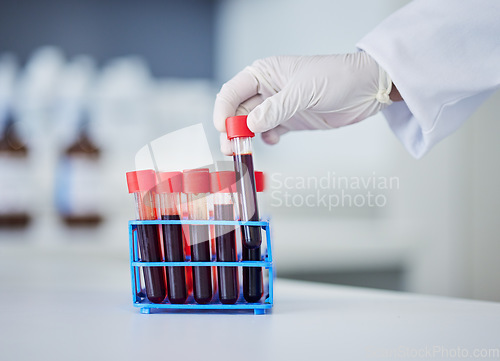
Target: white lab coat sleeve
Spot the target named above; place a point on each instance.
(444, 58)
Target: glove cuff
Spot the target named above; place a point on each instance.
(384, 87)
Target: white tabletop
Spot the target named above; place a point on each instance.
(73, 305)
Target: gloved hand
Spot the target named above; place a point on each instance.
(284, 93)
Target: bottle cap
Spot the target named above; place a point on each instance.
(259, 181)
(141, 180)
(223, 182)
(196, 181)
(236, 127)
(170, 182)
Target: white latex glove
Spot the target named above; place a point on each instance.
(284, 93)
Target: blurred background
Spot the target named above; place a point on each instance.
(85, 84)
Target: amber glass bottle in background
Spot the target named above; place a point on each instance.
(14, 177)
(78, 185)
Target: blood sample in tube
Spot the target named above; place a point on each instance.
(169, 190)
(142, 184)
(253, 287)
(223, 187)
(150, 249)
(197, 187)
(241, 143)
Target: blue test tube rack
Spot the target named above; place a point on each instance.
(138, 292)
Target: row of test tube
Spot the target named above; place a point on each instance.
(195, 195)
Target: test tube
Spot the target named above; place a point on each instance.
(223, 188)
(241, 143)
(169, 191)
(197, 188)
(253, 287)
(142, 184)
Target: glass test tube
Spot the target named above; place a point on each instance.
(169, 202)
(241, 143)
(197, 188)
(223, 187)
(142, 184)
(252, 276)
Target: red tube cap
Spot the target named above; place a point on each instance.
(141, 180)
(196, 181)
(223, 182)
(236, 127)
(133, 185)
(259, 181)
(170, 182)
